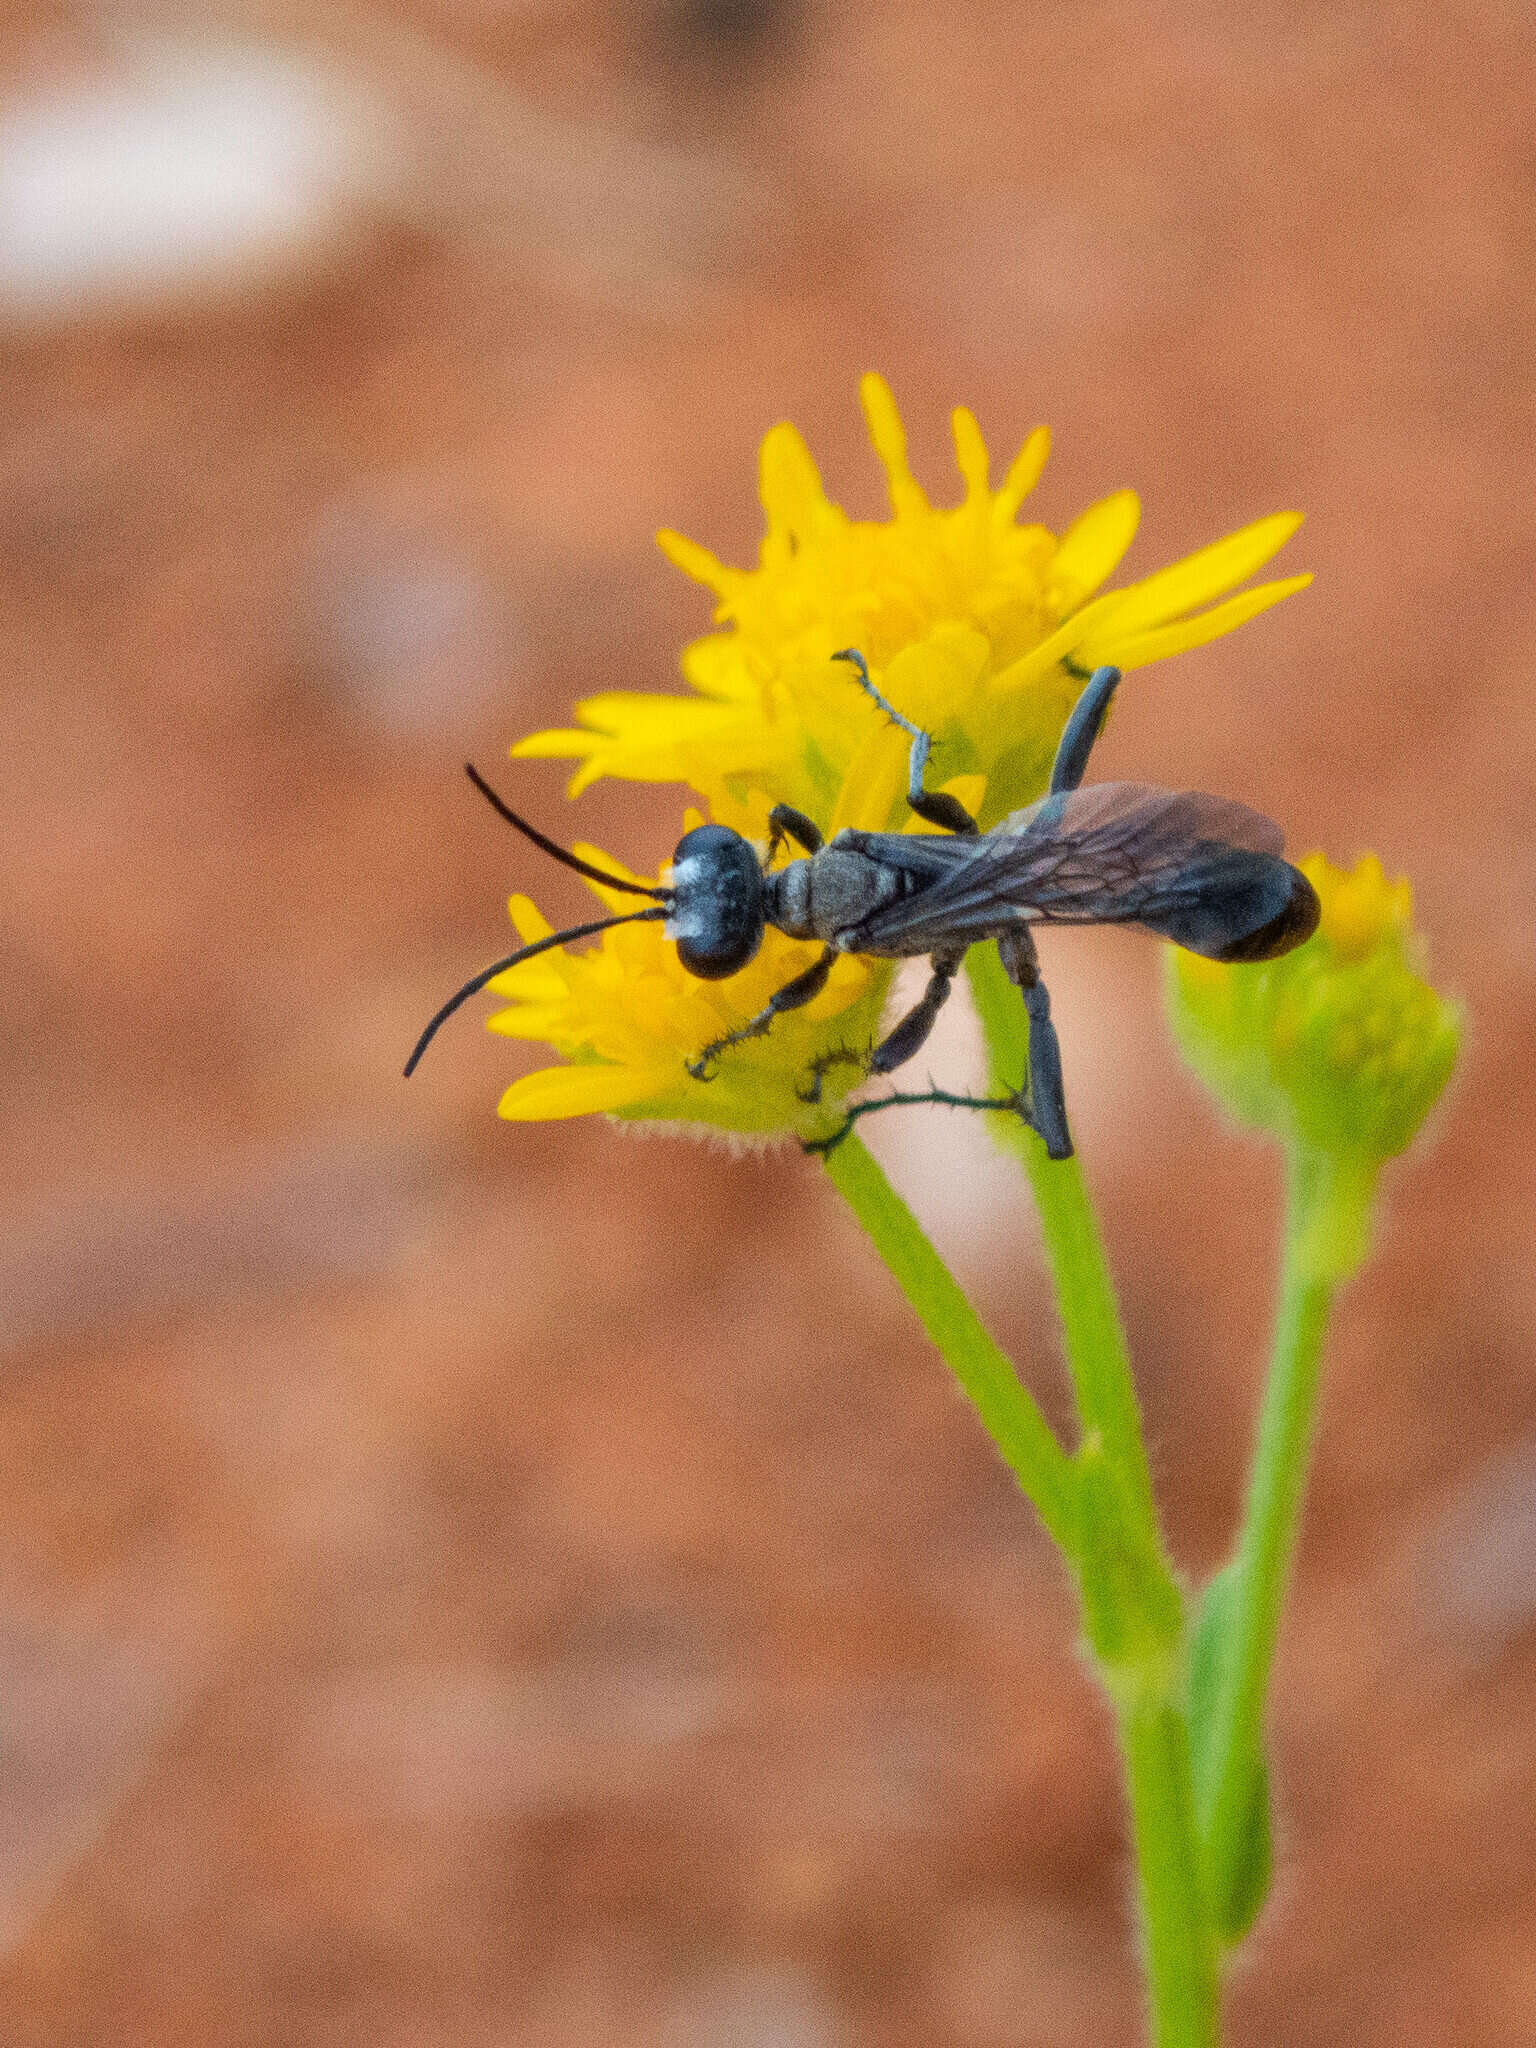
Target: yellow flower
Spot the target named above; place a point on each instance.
(627, 1017)
(976, 627)
(1341, 1046)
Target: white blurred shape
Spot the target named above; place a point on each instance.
(454, 1743)
(964, 1191)
(967, 1194)
(192, 173)
(1019, 1973)
(406, 627)
(84, 1709)
(1474, 1566)
(752, 2005)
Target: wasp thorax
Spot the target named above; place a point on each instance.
(717, 903)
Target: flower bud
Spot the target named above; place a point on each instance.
(1340, 1047)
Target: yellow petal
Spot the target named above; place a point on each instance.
(595, 857)
(1137, 649)
(789, 483)
(889, 439)
(873, 784)
(970, 452)
(1093, 545)
(597, 765)
(555, 745)
(713, 665)
(934, 678)
(533, 985)
(645, 713)
(1023, 474)
(697, 562)
(547, 1021)
(1204, 574)
(635, 735)
(1066, 640)
(579, 1091)
(531, 924)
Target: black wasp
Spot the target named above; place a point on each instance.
(1196, 869)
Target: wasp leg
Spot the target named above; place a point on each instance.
(931, 805)
(911, 1034)
(1047, 1095)
(907, 1038)
(840, 1056)
(1082, 729)
(940, 1096)
(803, 989)
(784, 822)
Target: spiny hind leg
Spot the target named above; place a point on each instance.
(1047, 1092)
(903, 1041)
(910, 1035)
(941, 1097)
(933, 806)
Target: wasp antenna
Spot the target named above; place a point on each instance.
(478, 981)
(556, 852)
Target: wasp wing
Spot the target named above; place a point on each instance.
(1198, 869)
(1145, 813)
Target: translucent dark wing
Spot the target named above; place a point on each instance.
(1196, 868)
(1145, 814)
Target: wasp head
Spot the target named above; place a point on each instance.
(716, 913)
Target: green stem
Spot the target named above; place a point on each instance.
(1182, 1988)
(1095, 1343)
(1009, 1413)
(1131, 1598)
(1132, 1603)
(1327, 1213)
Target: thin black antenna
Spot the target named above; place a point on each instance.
(566, 860)
(577, 931)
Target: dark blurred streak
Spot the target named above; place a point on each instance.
(732, 42)
(612, 216)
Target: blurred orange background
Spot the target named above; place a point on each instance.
(522, 1586)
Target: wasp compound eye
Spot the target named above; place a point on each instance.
(717, 903)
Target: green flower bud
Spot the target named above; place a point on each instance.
(1341, 1047)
